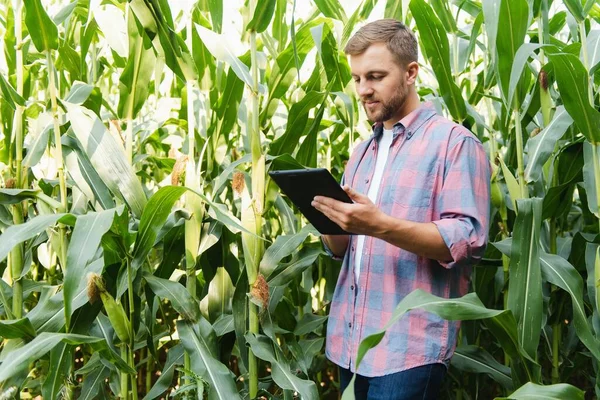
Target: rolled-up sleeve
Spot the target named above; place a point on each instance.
(464, 202)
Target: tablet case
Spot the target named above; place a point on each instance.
(302, 185)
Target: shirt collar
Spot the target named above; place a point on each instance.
(410, 123)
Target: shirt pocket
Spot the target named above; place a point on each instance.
(412, 188)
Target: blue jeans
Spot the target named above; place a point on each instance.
(419, 383)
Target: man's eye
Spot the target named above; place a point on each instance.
(377, 77)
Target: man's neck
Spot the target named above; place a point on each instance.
(411, 104)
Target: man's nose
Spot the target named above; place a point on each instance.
(364, 89)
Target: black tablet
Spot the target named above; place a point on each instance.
(302, 185)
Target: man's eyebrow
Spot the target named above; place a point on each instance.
(374, 71)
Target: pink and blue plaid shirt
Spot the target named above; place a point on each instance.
(437, 171)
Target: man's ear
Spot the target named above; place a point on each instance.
(411, 71)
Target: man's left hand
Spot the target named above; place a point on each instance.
(360, 217)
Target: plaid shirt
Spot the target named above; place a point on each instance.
(437, 171)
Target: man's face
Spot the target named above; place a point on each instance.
(380, 83)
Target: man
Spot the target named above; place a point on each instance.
(420, 186)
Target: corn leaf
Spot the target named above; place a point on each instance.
(162, 384)
(60, 368)
(435, 43)
(525, 286)
(540, 148)
(43, 32)
(107, 157)
(38, 347)
(559, 391)
(469, 358)
(85, 241)
(572, 80)
(181, 300)
(14, 196)
(263, 13)
(262, 347)
(16, 234)
(200, 341)
(17, 329)
(514, 15)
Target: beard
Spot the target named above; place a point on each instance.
(387, 109)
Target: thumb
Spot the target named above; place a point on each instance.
(354, 195)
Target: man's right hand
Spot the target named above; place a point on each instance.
(337, 244)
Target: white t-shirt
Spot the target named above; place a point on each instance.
(382, 154)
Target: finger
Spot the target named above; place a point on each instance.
(354, 195)
(330, 212)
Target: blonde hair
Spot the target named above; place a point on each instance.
(399, 40)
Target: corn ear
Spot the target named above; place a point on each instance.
(115, 311)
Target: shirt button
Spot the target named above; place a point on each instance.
(352, 248)
(349, 325)
(366, 181)
(352, 287)
(373, 148)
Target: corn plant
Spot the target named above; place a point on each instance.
(145, 252)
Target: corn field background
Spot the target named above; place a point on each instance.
(145, 253)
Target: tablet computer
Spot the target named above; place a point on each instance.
(302, 185)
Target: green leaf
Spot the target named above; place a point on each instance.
(107, 157)
(155, 16)
(332, 9)
(16, 234)
(286, 61)
(435, 43)
(43, 32)
(220, 48)
(93, 382)
(287, 272)
(10, 95)
(152, 219)
(593, 50)
(283, 246)
(514, 16)
(17, 329)
(337, 71)
(216, 14)
(49, 315)
(37, 146)
(85, 241)
(559, 272)
(500, 322)
(20, 359)
(541, 147)
(572, 80)
(263, 13)
(511, 182)
(181, 300)
(14, 196)
(559, 391)
(309, 323)
(199, 340)
(163, 383)
(136, 77)
(441, 8)
(589, 176)
(393, 9)
(473, 359)
(111, 22)
(296, 124)
(520, 60)
(220, 292)
(576, 9)
(84, 174)
(262, 348)
(61, 364)
(525, 286)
